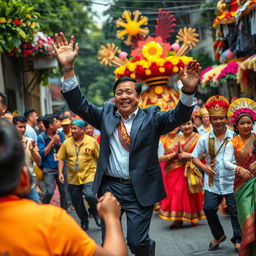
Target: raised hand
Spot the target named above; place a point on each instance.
(191, 77)
(65, 52)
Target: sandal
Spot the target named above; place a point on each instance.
(214, 247)
(176, 224)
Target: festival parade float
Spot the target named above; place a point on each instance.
(235, 48)
(152, 61)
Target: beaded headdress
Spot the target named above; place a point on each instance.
(242, 107)
(217, 106)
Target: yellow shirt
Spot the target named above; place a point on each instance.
(28, 228)
(86, 154)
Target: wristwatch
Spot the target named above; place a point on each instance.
(66, 69)
(188, 93)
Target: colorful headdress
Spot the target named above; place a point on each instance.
(217, 106)
(242, 107)
(203, 111)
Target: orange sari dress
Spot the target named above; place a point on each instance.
(184, 201)
(245, 195)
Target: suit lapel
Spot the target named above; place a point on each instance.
(112, 124)
(136, 126)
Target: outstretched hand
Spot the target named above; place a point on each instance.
(65, 52)
(191, 77)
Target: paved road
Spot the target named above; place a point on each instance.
(185, 241)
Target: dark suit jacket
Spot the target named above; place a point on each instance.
(148, 125)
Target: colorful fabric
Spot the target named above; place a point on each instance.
(123, 136)
(28, 228)
(212, 152)
(245, 194)
(246, 208)
(184, 199)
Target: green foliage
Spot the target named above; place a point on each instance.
(18, 23)
(96, 80)
(68, 16)
(204, 59)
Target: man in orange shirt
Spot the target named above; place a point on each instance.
(28, 228)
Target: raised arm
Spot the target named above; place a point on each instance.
(66, 54)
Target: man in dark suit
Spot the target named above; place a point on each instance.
(128, 165)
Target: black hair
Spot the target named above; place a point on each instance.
(28, 112)
(47, 120)
(12, 157)
(21, 119)
(40, 118)
(57, 114)
(123, 79)
(3, 98)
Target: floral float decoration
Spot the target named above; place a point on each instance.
(40, 46)
(153, 60)
(18, 24)
(216, 76)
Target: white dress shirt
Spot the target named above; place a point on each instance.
(224, 179)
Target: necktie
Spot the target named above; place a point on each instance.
(123, 136)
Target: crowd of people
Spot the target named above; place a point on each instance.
(207, 158)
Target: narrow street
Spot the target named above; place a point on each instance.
(185, 241)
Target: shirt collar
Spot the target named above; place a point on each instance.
(132, 115)
(228, 134)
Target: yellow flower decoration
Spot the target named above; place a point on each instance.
(158, 89)
(162, 69)
(2, 20)
(133, 75)
(175, 69)
(152, 50)
(132, 27)
(148, 72)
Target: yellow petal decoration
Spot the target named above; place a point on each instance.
(152, 51)
(132, 27)
(189, 39)
(108, 55)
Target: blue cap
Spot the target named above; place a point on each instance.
(79, 123)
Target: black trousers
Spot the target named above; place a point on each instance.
(76, 193)
(211, 204)
(138, 217)
(51, 175)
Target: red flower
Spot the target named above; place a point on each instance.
(17, 22)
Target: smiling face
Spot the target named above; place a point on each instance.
(21, 128)
(206, 120)
(126, 98)
(77, 131)
(244, 125)
(89, 130)
(187, 128)
(218, 123)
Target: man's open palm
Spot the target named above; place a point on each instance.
(65, 52)
(191, 77)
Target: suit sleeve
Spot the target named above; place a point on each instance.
(169, 120)
(83, 108)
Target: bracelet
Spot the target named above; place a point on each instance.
(188, 93)
(238, 170)
(66, 69)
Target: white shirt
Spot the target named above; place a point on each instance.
(30, 132)
(119, 156)
(202, 130)
(224, 179)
